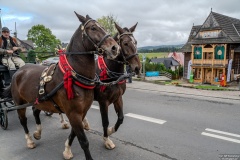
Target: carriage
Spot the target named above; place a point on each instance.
(5, 104)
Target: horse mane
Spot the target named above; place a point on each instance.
(71, 43)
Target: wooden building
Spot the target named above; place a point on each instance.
(213, 50)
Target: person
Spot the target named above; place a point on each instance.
(129, 70)
(9, 51)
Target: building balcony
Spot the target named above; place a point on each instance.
(210, 62)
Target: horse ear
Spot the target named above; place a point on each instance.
(88, 17)
(132, 29)
(120, 30)
(81, 18)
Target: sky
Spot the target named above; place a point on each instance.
(160, 22)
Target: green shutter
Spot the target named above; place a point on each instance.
(217, 49)
(200, 50)
(197, 56)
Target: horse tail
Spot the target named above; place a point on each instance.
(7, 92)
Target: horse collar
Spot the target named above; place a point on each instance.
(70, 75)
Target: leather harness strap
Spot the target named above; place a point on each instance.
(104, 72)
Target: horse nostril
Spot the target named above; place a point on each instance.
(114, 48)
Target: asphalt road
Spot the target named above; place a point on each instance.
(157, 126)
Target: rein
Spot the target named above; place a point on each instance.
(125, 59)
(98, 45)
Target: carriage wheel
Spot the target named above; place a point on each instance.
(3, 119)
(48, 113)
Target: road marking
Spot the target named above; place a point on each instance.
(221, 132)
(220, 137)
(94, 107)
(149, 119)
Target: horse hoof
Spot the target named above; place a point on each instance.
(86, 127)
(67, 155)
(109, 144)
(110, 131)
(36, 135)
(65, 126)
(31, 145)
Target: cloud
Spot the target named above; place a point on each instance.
(159, 21)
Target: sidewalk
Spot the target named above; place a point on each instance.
(184, 91)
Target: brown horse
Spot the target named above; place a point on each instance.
(90, 36)
(113, 94)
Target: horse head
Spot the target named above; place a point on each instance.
(95, 37)
(128, 46)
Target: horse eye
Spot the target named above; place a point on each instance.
(93, 28)
(125, 44)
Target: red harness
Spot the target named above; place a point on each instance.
(103, 74)
(66, 69)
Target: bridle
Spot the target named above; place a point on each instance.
(98, 45)
(126, 58)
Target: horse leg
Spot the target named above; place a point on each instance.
(118, 105)
(37, 133)
(86, 125)
(105, 123)
(63, 122)
(77, 127)
(67, 154)
(23, 120)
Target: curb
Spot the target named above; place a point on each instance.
(179, 85)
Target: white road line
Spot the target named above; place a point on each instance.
(94, 107)
(221, 132)
(220, 137)
(149, 119)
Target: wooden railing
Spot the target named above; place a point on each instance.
(207, 61)
(220, 62)
(197, 61)
(210, 61)
(166, 74)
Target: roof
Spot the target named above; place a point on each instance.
(178, 56)
(28, 44)
(187, 47)
(168, 62)
(228, 30)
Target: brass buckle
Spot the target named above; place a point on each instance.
(100, 51)
(41, 91)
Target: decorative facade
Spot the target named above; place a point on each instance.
(213, 50)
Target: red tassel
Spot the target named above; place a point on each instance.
(103, 75)
(68, 84)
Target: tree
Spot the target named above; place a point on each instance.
(43, 38)
(108, 23)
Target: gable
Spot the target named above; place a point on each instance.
(210, 23)
(218, 28)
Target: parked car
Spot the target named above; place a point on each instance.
(49, 61)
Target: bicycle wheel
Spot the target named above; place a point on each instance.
(3, 119)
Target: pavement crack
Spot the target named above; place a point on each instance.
(134, 145)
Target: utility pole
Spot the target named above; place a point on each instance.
(0, 23)
(144, 61)
(15, 33)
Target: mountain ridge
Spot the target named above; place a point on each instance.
(160, 46)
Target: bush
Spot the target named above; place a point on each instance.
(31, 56)
(154, 66)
